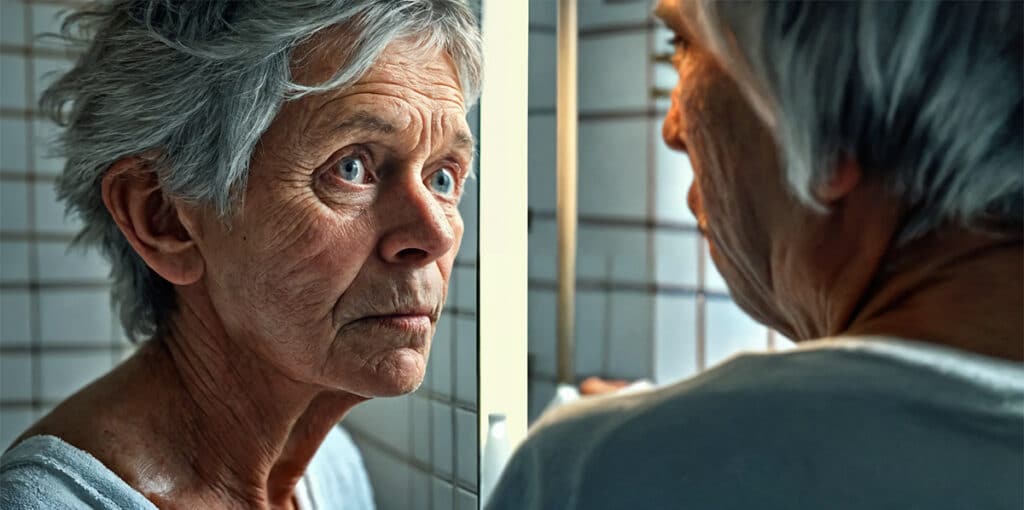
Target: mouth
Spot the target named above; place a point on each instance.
(411, 323)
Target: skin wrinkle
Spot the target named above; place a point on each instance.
(269, 346)
(844, 271)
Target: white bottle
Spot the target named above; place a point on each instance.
(496, 454)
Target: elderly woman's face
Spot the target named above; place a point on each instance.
(336, 268)
(737, 193)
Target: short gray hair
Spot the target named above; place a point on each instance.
(925, 95)
(193, 85)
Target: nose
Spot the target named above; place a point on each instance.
(670, 127)
(418, 230)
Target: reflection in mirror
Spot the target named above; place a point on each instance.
(649, 304)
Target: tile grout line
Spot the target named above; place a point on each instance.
(35, 273)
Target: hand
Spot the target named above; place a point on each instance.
(598, 386)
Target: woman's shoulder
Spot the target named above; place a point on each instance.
(44, 471)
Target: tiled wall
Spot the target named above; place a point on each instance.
(649, 302)
(57, 330)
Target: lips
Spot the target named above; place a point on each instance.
(404, 322)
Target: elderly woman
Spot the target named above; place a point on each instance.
(859, 177)
(276, 186)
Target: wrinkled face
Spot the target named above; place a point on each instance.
(737, 194)
(336, 268)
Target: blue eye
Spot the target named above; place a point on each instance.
(352, 169)
(443, 181)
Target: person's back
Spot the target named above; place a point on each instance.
(841, 423)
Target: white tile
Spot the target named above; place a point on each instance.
(541, 162)
(12, 82)
(541, 393)
(465, 295)
(444, 498)
(674, 176)
(730, 330)
(591, 331)
(466, 500)
(12, 423)
(46, 146)
(675, 338)
(630, 343)
(593, 260)
(783, 343)
(541, 308)
(49, 70)
(14, 145)
(440, 363)
(713, 280)
(75, 316)
(441, 449)
(12, 22)
(542, 250)
(466, 446)
(420, 497)
(465, 360)
(613, 167)
(50, 212)
(386, 419)
(469, 208)
(46, 18)
(421, 429)
(543, 13)
(542, 77)
(676, 255)
(13, 261)
(613, 72)
(66, 373)
(631, 264)
(14, 317)
(602, 13)
(16, 376)
(618, 253)
(60, 262)
(13, 206)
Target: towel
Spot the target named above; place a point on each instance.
(45, 472)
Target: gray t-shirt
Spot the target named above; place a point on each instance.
(838, 424)
(44, 472)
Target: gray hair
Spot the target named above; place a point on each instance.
(925, 95)
(192, 86)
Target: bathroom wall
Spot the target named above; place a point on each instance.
(649, 302)
(57, 331)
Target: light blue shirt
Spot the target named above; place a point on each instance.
(837, 424)
(44, 472)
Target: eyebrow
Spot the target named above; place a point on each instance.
(366, 121)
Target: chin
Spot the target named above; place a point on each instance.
(399, 372)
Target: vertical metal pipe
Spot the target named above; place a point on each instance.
(566, 203)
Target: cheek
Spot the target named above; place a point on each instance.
(290, 282)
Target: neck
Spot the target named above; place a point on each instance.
(958, 289)
(247, 431)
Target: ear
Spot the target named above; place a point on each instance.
(150, 221)
(841, 183)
